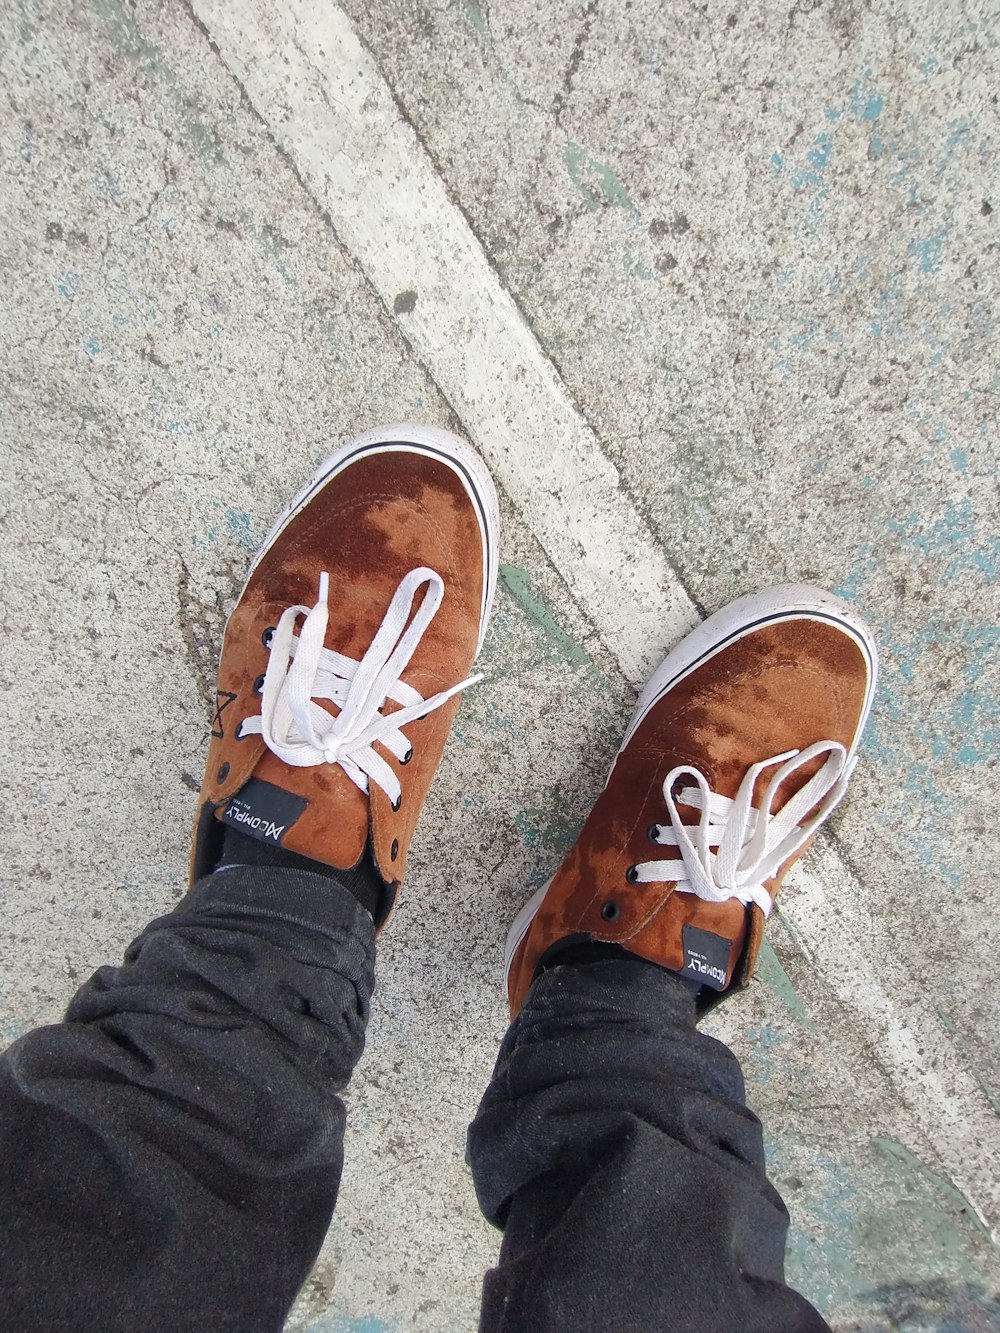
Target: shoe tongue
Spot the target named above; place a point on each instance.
(290, 807)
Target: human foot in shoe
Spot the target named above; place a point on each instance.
(741, 745)
(358, 625)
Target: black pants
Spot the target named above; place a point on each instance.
(170, 1154)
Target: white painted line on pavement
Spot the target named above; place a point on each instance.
(329, 108)
(327, 105)
(827, 908)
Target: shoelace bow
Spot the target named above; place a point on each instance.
(300, 670)
(734, 847)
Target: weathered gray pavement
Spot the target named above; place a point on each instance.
(713, 288)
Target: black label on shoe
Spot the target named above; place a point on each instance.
(706, 957)
(264, 811)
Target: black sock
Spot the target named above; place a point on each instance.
(576, 950)
(362, 880)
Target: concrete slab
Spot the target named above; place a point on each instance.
(753, 272)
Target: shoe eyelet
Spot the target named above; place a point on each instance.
(267, 636)
(397, 802)
(652, 833)
(394, 849)
(223, 773)
(258, 684)
(632, 874)
(240, 734)
(408, 756)
(610, 911)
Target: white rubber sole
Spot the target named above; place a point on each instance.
(520, 927)
(409, 437)
(787, 601)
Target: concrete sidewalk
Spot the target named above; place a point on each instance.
(712, 289)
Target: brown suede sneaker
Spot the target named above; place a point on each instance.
(358, 624)
(740, 746)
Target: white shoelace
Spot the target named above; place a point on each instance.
(750, 844)
(301, 670)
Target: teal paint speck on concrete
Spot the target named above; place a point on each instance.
(551, 828)
(851, 586)
(866, 103)
(927, 252)
(819, 154)
(238, 524)
(106, 184)
(809, 180)
(832, 1277)
(476, 18)
(952, 537)
(635, 267)
(903, 1158)
(597, 183)
(764, 1041)
(515, 580)
(777, 980)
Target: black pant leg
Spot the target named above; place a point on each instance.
(615, 1150)
(170, 1154)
